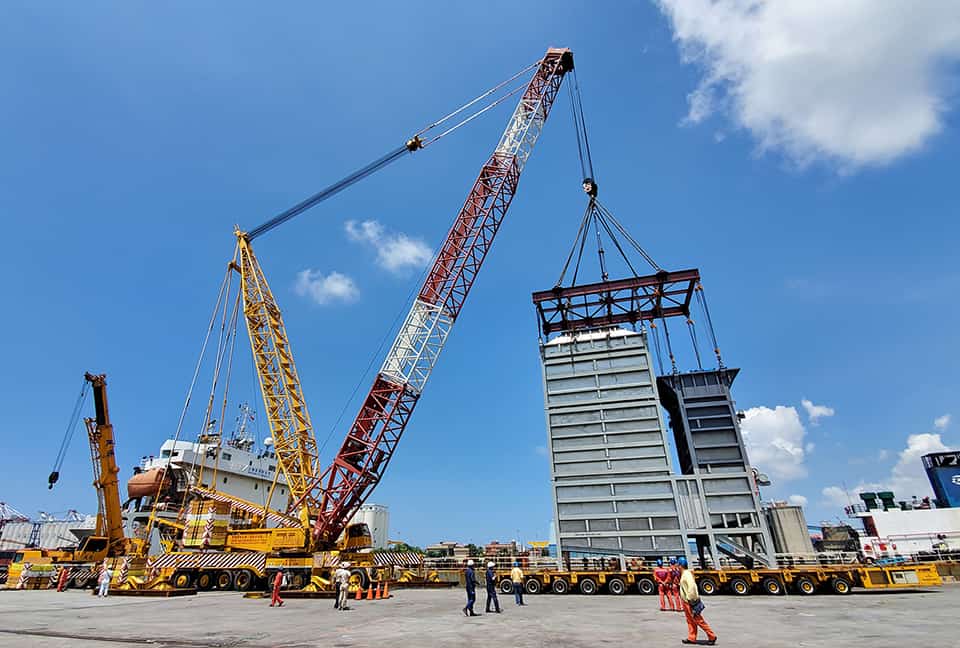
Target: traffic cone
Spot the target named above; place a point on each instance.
(370, 593)
(359, 592)
(377, 595)
(386, 589)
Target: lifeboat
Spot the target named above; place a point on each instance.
(148, 483)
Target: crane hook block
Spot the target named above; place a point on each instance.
(590, 187)
(414, 143)
(52, 479)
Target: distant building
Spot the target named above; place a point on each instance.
(448, 549)
(51, 534)
(497, 548)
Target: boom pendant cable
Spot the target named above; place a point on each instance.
(415, 143)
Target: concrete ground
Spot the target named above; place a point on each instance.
(418, 618)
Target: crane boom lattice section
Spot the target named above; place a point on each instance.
(286, 409)
(383, 416)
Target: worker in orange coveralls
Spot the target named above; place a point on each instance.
(277, 584)
(673, 592)
(64, 577)
(660, 576)
(693, 607)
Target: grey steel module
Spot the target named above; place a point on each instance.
(611, 476)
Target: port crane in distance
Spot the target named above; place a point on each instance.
(323, 502)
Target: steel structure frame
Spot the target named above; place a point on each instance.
(384, 414)
(287, 414)
(624, 301)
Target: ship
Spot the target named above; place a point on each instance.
(237, 466)
(922, 528)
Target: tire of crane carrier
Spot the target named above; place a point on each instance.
(805, 586)
(532, 586)
(646, 586)
(841, 585)
(205, 580)
(80, 581)
(224, 581)
(707, 586)
(560, 586)
(506, 586)
(616, 586)
(588, 586)
(359, 578)
(182, 579)
(244, 580)
(739, 586)
(772, 585)
(298, 580)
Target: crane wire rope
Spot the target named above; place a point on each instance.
(415, 143)
(72, 424)
(223, 338)
(186, 404)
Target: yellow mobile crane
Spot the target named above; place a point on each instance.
(315, 532)
(108, 540)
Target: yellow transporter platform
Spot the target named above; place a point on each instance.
(840, 579)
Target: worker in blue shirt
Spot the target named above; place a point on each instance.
(470, 580)
(491, 577)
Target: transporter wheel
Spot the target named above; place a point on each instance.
(297, 580)
(707, 586)
(224, 581)
(205, 581)
(182, 579)
(80, 581)
(506, 586)
(532, 586)
(588, 586)
(805, 586)
(560, 586)
(243, 581)
(739, 586)
(646, 586)
(359, 579)
(772, 586)
(840, 585)
(616, 586)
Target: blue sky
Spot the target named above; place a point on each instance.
(820, 211)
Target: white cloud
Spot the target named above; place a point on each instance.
(396, 252)
(883, 455)
(835, 496)
(906, 479)
(856, 82)
(797, 500)
(774, 440)
(816, 412)
(324, 289)
(941, 422)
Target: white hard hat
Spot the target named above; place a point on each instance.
(469, 563)
(490, 564)
(346, 564)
